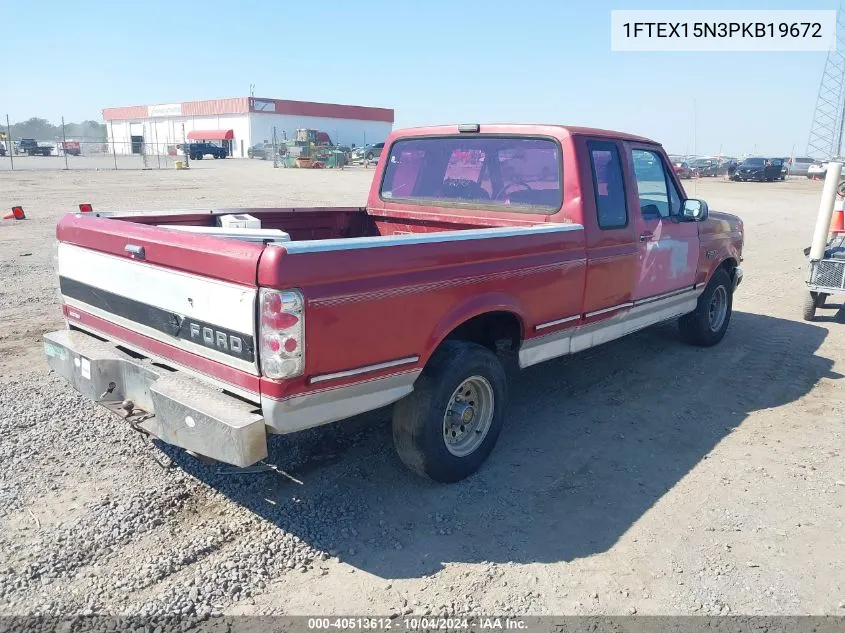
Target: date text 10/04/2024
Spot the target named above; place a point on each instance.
(722, 29)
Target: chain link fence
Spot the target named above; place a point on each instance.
(65, 152)
(22, 154)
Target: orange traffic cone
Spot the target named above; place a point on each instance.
(837, 222)
(15, 214)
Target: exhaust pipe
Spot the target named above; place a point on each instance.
(831, 183)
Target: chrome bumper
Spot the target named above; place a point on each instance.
(175, 408)
(737, 276)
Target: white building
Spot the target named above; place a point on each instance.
(240, 123)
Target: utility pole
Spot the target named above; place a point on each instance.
(11, 142)
(185, 148)
(64, 142)
(113, 147)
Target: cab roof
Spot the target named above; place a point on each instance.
(524, 128)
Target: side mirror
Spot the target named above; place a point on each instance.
(694, 210)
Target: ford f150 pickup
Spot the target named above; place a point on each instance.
(482, 247)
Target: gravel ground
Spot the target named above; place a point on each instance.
(642, 477)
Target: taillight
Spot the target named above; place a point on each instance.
(282, 333)
(86, 207)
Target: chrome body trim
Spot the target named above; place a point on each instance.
(363, 370)
(316, 408)
(621, 306)
(352, 243)
(583, 337)
(665, 295)
(548, 324)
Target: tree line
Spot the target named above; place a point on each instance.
(43, 130)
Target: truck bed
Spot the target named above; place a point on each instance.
(323, 223)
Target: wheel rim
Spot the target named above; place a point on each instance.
(469, 416)
(718, 308)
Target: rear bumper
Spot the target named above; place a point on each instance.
(175, 408)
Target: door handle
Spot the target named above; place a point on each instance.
(646, 235)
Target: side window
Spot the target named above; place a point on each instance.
(659, 197)
(608, 185)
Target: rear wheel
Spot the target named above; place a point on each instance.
(447, 427)
(707, 325)
(370, 156)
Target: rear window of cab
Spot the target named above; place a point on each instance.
(506, 173)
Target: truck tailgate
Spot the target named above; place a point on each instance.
(191, 298)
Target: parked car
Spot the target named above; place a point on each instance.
(683, 169)
(264, 151)
(705, 167)
(757, 169)
(325, 313)
(368, 152)
(800, 165)
(199, 150)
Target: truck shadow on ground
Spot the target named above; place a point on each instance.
(591, 442)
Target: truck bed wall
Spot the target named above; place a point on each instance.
(320, 223)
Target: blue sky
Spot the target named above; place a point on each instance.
(432, 62)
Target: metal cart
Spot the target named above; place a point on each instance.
(826, 277)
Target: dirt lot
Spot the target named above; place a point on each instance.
(641, 477)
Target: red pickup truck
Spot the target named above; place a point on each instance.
(481, 247)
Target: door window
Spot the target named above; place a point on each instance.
(659, 198)
(608, 185)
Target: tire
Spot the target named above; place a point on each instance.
(370, 156)
(420, 419)
(812, 300)
(704, 327)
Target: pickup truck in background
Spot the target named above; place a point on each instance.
(31, 147)
(481, 248)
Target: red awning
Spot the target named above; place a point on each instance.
(211, 135)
